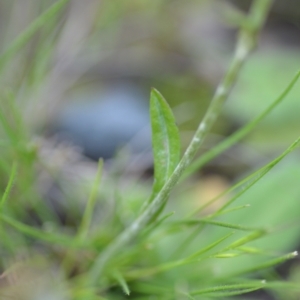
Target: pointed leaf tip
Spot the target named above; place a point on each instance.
(165, 139)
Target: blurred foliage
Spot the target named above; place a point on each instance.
(263, 78)
(54, 52)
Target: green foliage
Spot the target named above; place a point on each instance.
(27, 34)
(126, 247)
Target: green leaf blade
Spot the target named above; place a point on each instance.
(165, 140)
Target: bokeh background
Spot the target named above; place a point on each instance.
(87, 76)
(83, 84)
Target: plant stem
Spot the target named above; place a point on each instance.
(239, 134)
(245, 44)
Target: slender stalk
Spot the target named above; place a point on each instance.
(245, 44)
(9, 186)
(239, 134)
(89, 210)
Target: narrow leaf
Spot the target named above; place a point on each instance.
(229, 210)
(216, 223)
(230, 288)
(238, 135)
(193, 258)
(165, 140)
(9, 186)
(251, 250)
(263, 172)
(269, 264)
(88, 213)
(246, 239)
(209, 247)
(226, 255)
(120, 279)
(52, 238)
(248, 182)
(234, 293)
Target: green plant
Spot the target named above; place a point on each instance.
(134, 249)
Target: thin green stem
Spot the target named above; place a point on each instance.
(9, 186)
(89, 210)
(245, 44)
(269, 264)
(231, 287)
(238, 135)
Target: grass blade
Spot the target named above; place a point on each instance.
(174, 264)
(263, 172)
(9, 186)
(27, 34)
(269, 264)
(216, 223)
(39, 234)
(238, 135)
(88, 213)
(248, 182)
(229, 210)
(246, 239)
(234, 293)
(209, 247)
(230, 288)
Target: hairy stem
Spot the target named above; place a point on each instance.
(245, 44)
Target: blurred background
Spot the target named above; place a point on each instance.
(83, 82)
(85, 78)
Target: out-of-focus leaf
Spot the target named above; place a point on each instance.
(165, 140)
(27, 34)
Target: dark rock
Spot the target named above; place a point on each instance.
(107, 121)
